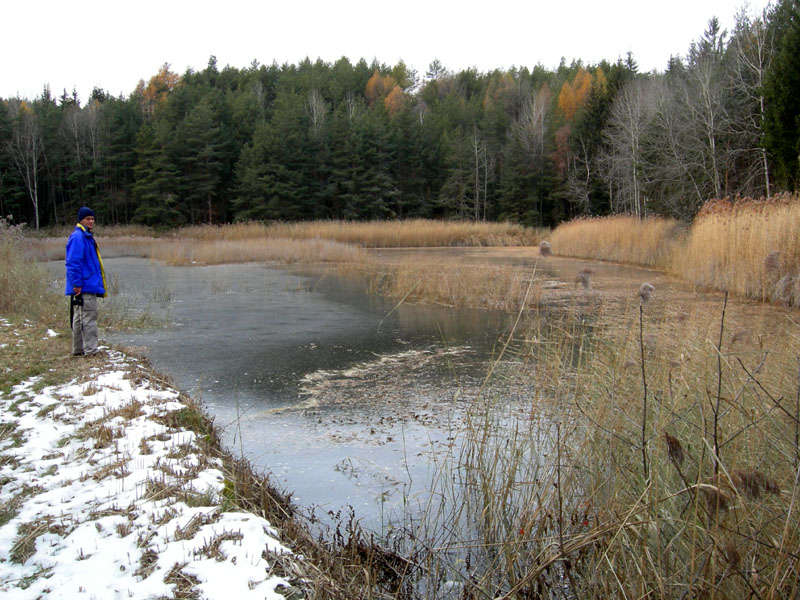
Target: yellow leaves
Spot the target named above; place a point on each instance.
(574, 95)
(395, 100)
(24, 109)
(385, 86)
(378, 86)
(157, 89)
(600, 80)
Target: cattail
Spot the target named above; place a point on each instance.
(731, 553)
(752, 483)
(584, 278)
(674, 449)
(645, 291)
(716, 500)
(545, 249)
(740, 336)
(772, 262)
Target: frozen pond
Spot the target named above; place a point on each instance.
(341, 398)
(344, 398)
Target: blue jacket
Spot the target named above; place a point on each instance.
(84, 264)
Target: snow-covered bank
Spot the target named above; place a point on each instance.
(102, 496)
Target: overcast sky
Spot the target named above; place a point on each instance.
(112, 44)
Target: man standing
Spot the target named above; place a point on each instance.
(86, 281)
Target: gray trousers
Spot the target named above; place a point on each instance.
(84, 326)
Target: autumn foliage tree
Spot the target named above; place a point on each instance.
(153, 95)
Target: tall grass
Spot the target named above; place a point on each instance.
(579, 492)
(455, 285)
(619, 238)
(751, 248)
(414, 233)
(191, 250)
(24, 285)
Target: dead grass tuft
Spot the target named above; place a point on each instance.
(184, 584)
(24, 545)
(211, 549)
(147, 563)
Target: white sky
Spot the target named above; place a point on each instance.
(112, 44)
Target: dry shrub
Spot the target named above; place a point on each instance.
(584, 278)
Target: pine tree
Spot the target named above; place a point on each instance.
(155, 192)
(782, 82)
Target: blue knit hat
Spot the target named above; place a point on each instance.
(84, 212)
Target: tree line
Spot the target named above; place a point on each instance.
(371, 141)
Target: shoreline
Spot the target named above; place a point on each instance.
(118, 474)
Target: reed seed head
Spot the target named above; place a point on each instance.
(753, 483)
(772, 262)
(584, 278)
(674, 449)
(646, 291)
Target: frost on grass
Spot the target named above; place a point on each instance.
(102, 496)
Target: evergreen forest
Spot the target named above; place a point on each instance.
(370, 141)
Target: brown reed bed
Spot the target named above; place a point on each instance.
(453, 285)
(750, 247)
(411, 233)
(620, 238)
(192, 251)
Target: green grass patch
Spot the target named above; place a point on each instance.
(46, 410)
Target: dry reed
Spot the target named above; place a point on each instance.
(750, 248)
(620, 238)
(552, 495)
(414, 233)
(286, 251)
(458, 286)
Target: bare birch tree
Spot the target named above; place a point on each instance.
(318, 111)
(26, 148)
(752, 50)
(624, 160)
